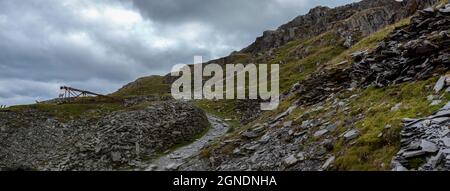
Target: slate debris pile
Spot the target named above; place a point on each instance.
(413, 52)
(120, 140)
(425, 143)
(281, 144)
(320, 86)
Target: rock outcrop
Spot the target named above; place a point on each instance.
(351, 22)
(120, 140)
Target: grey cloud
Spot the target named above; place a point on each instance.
(245, 18)
(47, 43)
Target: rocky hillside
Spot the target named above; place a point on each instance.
(364, 87)
(322, 38)
(350, 108)
(97, 137)
(349, 76)
(350, 22)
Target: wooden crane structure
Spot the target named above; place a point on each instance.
(69, 92)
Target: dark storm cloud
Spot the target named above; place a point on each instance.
(243, 18)
(101, 45)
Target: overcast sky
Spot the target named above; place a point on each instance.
(100, 45)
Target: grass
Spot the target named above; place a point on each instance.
(299, 70)
(368, 43)
(321, 49)
(443, 2)
(70, 111)
(152, 85)
(367, 152)
(316, 51)
(371, 152)
(224, 109)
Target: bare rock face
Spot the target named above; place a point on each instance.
(350, 22)
(410, 53)
(120, 140)
(425, 143)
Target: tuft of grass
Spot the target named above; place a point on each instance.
(416, 163)
(443, 2)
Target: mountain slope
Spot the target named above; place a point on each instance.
(349, 76)
(328, 121)
(327, 118)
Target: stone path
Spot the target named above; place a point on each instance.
(174, 159)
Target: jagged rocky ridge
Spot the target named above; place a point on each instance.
(414, 52)
(121, 140)
(350, 22)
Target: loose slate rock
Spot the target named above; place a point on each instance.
(328, 162)
(435, 102)
(249, 135)
(287, 124)
(320, 133)
(427, 140)
(428, 146)
(331, 127)
(351, 134)
(290, 160)
(439, 84)
(408, 53)
(446, 141)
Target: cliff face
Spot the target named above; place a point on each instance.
(351, 22)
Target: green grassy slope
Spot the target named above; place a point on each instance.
(376, 145)
(152, 85)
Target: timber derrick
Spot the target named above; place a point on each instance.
(69, 93)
